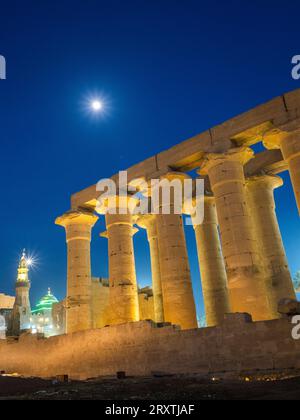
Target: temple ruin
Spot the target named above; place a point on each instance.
(244, 272)
(243, 264)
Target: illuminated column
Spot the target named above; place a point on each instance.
(212, 266)
(148, 222)
(78, 226)
(289, 143)
(244, 269)
(124, 304)
(261, 200)
(178, 299)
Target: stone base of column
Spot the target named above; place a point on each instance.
(123, 304)
(78, 318)
(216, 304)
(248, 294)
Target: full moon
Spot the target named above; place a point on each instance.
(96, 105)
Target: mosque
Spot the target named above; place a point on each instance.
(16, 314)
(42, 320)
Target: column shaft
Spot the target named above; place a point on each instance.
(212, 266)
(78, 227)
(261, 200)
(179, 304)
(122, 275)
(177, 290)
(148, 222)
(244, 269)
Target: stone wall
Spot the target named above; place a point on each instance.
(100, 302)
(146, 306)
(142, 348)
(101, 306)
(6, 302)
(59, 316)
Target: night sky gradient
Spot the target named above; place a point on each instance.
(168, 70)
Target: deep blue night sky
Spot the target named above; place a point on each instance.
(168, 69)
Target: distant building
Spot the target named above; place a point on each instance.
(47, 318)
(42, 320)
(6, 302)
(59, 317)
(21, 313)
(6, 307)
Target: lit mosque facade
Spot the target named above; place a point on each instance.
(42, 320)
(17, 316)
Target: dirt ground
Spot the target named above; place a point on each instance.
(165, 388)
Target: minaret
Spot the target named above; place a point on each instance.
(22, 311)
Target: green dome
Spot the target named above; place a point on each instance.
(45, 304)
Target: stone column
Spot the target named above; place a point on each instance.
(124, 305)
(289, 143)
(178, 299)
(261, 200)
(148, 222)
(78, 226)
(212, 266)
(244, 268)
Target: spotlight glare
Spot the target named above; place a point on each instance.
(32, 261)
(29, 262)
